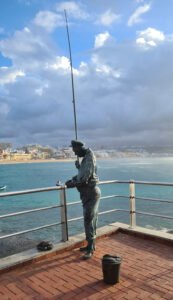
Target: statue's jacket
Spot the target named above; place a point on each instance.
(87, 178)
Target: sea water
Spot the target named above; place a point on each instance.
(38, 175)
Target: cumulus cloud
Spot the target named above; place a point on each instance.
(61, 62)
(123, 94)
(150, 37)
(27, 49)
(48, 20)
(101, 39)
(9, 75)
(108, 18)
(75, 10)
(136, 16)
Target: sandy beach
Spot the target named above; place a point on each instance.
(6, 162)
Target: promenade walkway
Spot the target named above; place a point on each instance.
(146, 273)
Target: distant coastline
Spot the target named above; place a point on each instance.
(46, 154)
(30, 161)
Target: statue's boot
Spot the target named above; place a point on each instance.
(90, 250)
(83, 249)
(86, 248)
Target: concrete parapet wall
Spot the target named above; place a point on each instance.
(33, 255)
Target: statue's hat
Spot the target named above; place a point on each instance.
(76, 143)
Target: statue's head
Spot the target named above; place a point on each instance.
(78, 148)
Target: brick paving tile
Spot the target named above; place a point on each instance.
(168, 296)
(156, 297)
(146, 274)
(27, 290)
(119, 296)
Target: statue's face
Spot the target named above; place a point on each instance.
(78, 151)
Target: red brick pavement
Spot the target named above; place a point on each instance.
(146, 273)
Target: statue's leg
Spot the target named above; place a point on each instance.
(90, 209)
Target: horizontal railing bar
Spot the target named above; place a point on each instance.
(113, 181)
(72, 203)
(112, 210)
(102, 198)
(154, 199)
(137, 182)
(28, 211)
(154, 215)
(75, 219)
(46, 189)
(154, 183)
(6, 194)
(108, 197)
(29, 230)
(100, 213)
(114, 196)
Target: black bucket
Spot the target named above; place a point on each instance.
(111, 268)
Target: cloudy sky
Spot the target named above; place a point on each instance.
(122, 54)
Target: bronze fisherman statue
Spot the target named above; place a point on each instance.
(86, 183)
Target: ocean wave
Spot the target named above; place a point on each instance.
(163, 229)
(139, 163)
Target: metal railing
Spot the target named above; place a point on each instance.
(133, 211)
(63, 206)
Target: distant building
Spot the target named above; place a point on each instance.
(68, 152)
(17, 156)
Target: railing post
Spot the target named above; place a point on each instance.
(64, 225)
(132, 204)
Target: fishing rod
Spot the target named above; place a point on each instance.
(72, 79)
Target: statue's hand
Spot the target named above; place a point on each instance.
(70, 184)
(77, 164)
